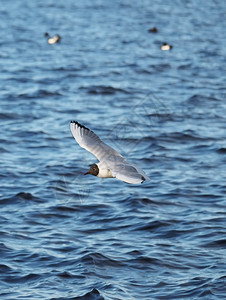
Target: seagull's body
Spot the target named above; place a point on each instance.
(166, 47)
(111, 163)
(52, 40)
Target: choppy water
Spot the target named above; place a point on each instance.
(68, 236)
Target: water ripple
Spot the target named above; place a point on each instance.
(69, 236)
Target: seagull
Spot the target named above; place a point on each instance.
(111, 163)
(166, 47)
(53, 40)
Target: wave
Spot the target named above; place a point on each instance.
(15, 199)
(92, 295)
(103, 90)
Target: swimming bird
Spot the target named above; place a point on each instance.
(53, 40)
(166, 47)
(153, 30)
(111, 163)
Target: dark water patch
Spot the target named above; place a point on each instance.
(143, 71)
(203, 147)
(209, 196)
(155, 225)
(50, 215)
(92, 295)
(22, 279)
(27, 256)
(39, 94)
(69, 275)
(99, 209)
(184, 66)
(218, 286)
(65, 263)
(103, 90)
(221, 244)
(217, 220)
(18, 80)
(172, 198)
(3, 150)
(4, 269)
(147, 201)
(185, 136)
(9, 116)
(160, 117)
(160, 67)
(141, 261)
(101, 260)
(221, 150)
(4, 248)
(172, 234)
(69, 209)
(72, 112)
(150, 263)
(68, 69)
(201, 288)
(65, 275)
(20, 197)
(64, 249)
(32, 134)
(201, 100)
(135, 253)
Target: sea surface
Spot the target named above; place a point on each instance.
(66, 236)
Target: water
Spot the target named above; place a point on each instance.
(69, 236)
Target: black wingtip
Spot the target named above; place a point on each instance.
(80, 125)
(143, 179)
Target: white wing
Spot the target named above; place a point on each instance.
(126, 172)
(88, 140)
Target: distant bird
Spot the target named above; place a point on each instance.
(52, 40)
(166, 47)
(111, 163)
(153, 30)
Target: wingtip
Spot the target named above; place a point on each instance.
(145, 179)
(80, 125)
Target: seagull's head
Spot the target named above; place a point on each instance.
(94, 170)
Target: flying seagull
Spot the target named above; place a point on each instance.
(111, 163)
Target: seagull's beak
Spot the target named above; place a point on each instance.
(87, 173)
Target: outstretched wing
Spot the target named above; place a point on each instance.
(88, 140)
(126, 172)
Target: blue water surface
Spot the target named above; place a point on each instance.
(68, 236)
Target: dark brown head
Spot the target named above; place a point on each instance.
(94, 170)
